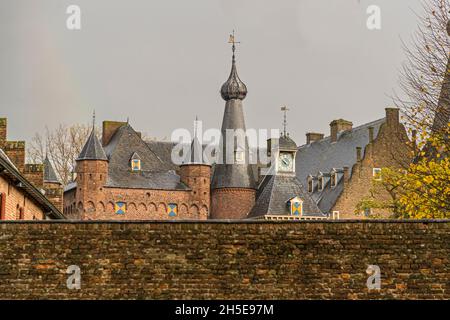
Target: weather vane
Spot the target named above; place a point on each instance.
(285, 110)
(233, 41)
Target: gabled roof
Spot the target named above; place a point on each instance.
(92, 149)
(274, 193)
(12, 173)
(49, 172)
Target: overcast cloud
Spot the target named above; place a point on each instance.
(162, 62)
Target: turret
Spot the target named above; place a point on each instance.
(91, 173)
(233, 184)
(195, 172)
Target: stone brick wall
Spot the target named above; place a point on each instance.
(212, 260)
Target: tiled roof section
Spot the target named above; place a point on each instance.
(92, 150)
(163, 150)
(49, 172)
(324, 155)
(274, 193)
(327, 197)
(286, 143)
(154, 173)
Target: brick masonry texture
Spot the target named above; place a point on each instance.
(225, 260)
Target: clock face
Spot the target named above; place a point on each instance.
(286, 162)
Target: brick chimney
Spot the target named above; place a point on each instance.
(338, 126)
(313, 137)
(392, 117)
(109, 128)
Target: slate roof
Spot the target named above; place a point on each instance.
(10, 171)
(92, 149)
(324, 155)
(154, 173)
(49, 172)
(326, 198)
(275, 191)
(286, 143)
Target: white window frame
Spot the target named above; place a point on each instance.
(336, 215)
(376, 173)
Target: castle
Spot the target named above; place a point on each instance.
(124, 177)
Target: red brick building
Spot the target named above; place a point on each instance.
(124, 178)
(41, 177)
(19, 198)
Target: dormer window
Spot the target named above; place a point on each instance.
(135, 162)
(310, 185)
(333, 179)
(320, 183)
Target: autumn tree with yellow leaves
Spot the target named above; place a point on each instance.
(422, 189)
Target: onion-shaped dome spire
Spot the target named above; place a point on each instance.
(233, 88)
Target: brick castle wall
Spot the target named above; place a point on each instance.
(211, 260)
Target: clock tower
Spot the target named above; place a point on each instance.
(283, 151)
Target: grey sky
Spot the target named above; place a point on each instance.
(162, 62)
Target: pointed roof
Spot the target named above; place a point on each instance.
(93, 149)
(286, 143)
(49, 172)
(274, 194)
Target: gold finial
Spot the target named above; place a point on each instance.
(285, 110)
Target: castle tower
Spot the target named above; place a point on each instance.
(91, 173)
(233, 184)
(196, 174)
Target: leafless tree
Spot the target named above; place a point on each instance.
(62, 146)
(423, 72)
